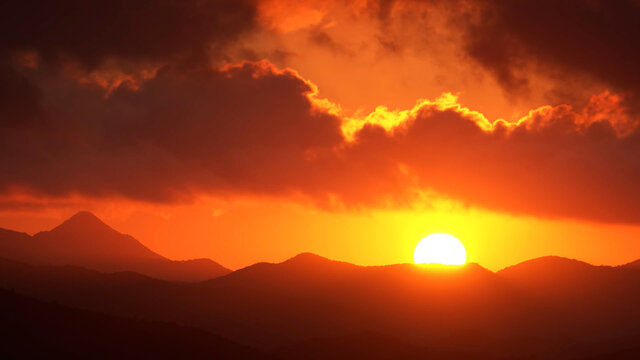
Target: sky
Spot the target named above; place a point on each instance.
(249, 131)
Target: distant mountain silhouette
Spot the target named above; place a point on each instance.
(549, 307)
(633, 265)
(593, 297)
(84, 240)
(34, 329)
(267, 305)
(414, 303)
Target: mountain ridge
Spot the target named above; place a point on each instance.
(275, 305)
(85, 240)
(47, 330)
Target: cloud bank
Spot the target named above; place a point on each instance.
(133, 103)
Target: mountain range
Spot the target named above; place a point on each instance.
(84, 240)
(311, 307)
(35, 329)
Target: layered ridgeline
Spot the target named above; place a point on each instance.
(33, 329)
(315, 308)
(84, 240)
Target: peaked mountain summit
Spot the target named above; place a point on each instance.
(632, 265)
(84, 240)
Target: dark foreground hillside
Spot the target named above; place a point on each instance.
(313, 308)
(32, 329)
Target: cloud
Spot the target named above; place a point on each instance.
(554, 162)
(239, 128)
(595, 39)
(529, 46)
(254, 129)
(572, 44)
(111, 42)
(143, 114)
(150, 31)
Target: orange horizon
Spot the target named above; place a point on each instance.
(284, 258)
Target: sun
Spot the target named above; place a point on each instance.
(440, 249)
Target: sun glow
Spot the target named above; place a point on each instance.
(440, 249)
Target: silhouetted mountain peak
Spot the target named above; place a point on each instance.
(84, 215)
(307, 259)
(475, 267)
(551, 260)
(85, 240)
(546, 266)
(300, 266)
(84, 222)
(633, 264)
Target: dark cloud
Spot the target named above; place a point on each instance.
(91, 32)
(572, 44)
(188, 127)
(19, 97)
(243, 128)
(107, 43)
(594, 39)
(557, 162)
(253, 129)
(318, 35)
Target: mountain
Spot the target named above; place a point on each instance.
(633, 265)
(36, 329)
(591, 297)
(84, 240)
(308, 302)
(270, 305)
(320, 297)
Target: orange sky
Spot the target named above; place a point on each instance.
(217, 170)
(240, 232)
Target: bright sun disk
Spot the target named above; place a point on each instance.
(440, 249)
